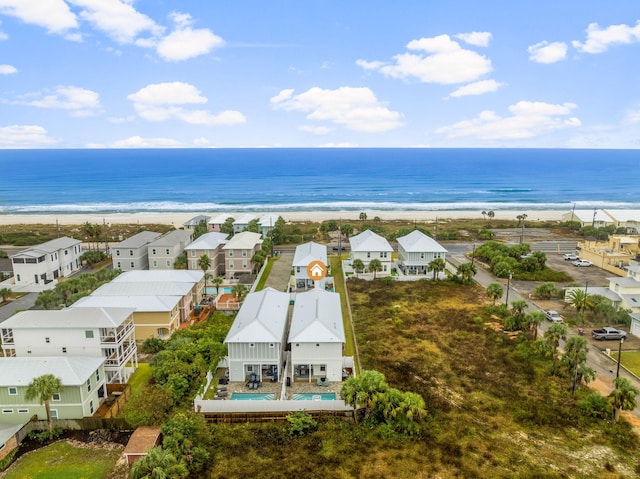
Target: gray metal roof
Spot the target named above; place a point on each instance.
(317, 318)
(72, 370)
(195, 221)
(138, 240)
(159, 275)
(161, 288)
(68, 318)
(49, 247)
(262, 318)
(418, 242)
(369, 241)
(143, 304)
(208, 241)
(244, 240)
(308, 252)
(172, 238)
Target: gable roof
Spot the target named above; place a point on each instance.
(138, 240)
(586, 216)
(317, 318)
(143, 303)
(625, 215)
(208, 241)
(268, 220)
(244, 219)
(369, 241)
(244, 240)
(418, 242)
(195, 221)
(172, 238)
(220, 219)
(48, 247)
(308, 252)
(69, 318)
(160, 288)
(261, 319)
(158, 276)
(72, 370)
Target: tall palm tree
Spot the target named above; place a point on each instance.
(47, 299)
(204, 263)
(217, 282)
(43, 388)
(239, 291)
(552, 337)
(530, 323)
(576, 350)
(358, 266)
(623, 396)
(437, 265)
(579, 299)
(467, 271)
(375, 265)
(258, 259)
(495, 292)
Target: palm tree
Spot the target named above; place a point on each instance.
(217, 282)
(204, 263)
(159, 464)
(579, 299)
(467, 271)
(363, 216)
(374, 266)
(47, 299)
(66, 289)
(623, 396)
(239, 290)
(484, 214)
(552, 337)
(490, 214)
(43, 388)
(437, 265)
(530, 323)
(258, 259)
(495, 292)
(5, 293)
(361, 391)
(207, 277)
(358, 266)
(346, 230)
(576, 350)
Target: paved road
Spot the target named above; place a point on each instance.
(281, 271)
(25, 302)
(604, 367)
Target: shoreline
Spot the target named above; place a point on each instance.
(178, 219)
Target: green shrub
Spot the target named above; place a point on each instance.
(152, 345)
(301, 423)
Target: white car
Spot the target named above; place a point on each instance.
(570, 256)
(582, 262)
(554, 316)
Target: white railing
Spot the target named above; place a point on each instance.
(213, 406)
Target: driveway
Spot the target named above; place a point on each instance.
(280, 271)
(24, 302)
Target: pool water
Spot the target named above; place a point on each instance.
(314, 397)
(252, 396)
(211, 290)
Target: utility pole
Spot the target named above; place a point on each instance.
(619, 357)
(506, 301)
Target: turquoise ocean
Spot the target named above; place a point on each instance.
(210, 180)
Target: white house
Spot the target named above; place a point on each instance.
(266, 223)
(416, 250)
(316, 336)
(95, 332)
(164, 251)
(133, 253)
(83, 387)
(257, 336)
(368, 246)
(241, 223)
(238, 253)
(305, 254)
(210, 244)
(47, 262)
(195, 221)
(629, 219)
(597, 218)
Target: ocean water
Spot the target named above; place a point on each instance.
(211, 180)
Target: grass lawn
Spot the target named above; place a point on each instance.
(140, 378)
(630, 360)
(63, 461)
(338, 280)
(265, 274)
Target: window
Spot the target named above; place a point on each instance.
(167, 251)
(55, 396)
(118, 265)
(91, 407)
(368, 254)
(64, 350)
(323, 369)
(23, 411)
(88, 334)
(130, 252)
(230, 264)
(168, 263)
(244, 252)
(7, 411)
(46, 340)
(317, 345)
(252, 345)
(97, 375)
(54, 414)
(271, 345)
(89, 385)
(66, 252)
(153, 251)
(117, 252)
(133, 265)
(230, 253)
(193, 253)
(155, 263)
(13, 391)
(244, 264)
(421, 255)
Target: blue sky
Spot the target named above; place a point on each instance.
(311, 73)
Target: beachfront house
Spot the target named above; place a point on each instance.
(210, 244)
(305, 254)
(416, 250)
(164, 251)
(238, 253)
(257, 336)
(216, 222)
(107, 333)
(597, 218)
(368, 246)
(83, 387)
(133, 253)
(195, 221)
(316, 337)
(47, 262)
(241, 223)
(629, 219)
(266, 223)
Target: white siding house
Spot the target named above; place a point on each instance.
(95, 332)
(368, 246)
(597, 218)
(629, 219)
(47, 262)
(305, 254)
(257, 337)
(266, 223)
(132, 253)
(316, 336)
(195, 221)
(416, 250)
(164, 251)
(242, 222)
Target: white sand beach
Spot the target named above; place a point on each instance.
(177, 219)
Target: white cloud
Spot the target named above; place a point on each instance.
(24, 136)
(633, 116)
(54, 15)
(202, 141)
(445, 62)
(7, 69)
(139, 142)
(598, 40)
(116, 120)
(477, 88)
(528, 119)
(166, 101)
(479, 39)
(316, 130)
(78, 101)
(344, 144)
(185, 42)
(545, 52)
(356, 109)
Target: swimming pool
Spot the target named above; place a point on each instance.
(314, 397)
(252, 396)
(225, 290)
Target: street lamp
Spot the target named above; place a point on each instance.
(619, 357)
(506, 301)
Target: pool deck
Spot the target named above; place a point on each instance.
(276, 388)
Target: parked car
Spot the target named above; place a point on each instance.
(554, 316)
(570, 256)
(582, 263)
(608, 333)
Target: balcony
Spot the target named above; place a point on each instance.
(7, 336)
(121, 356)
(114, 336)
